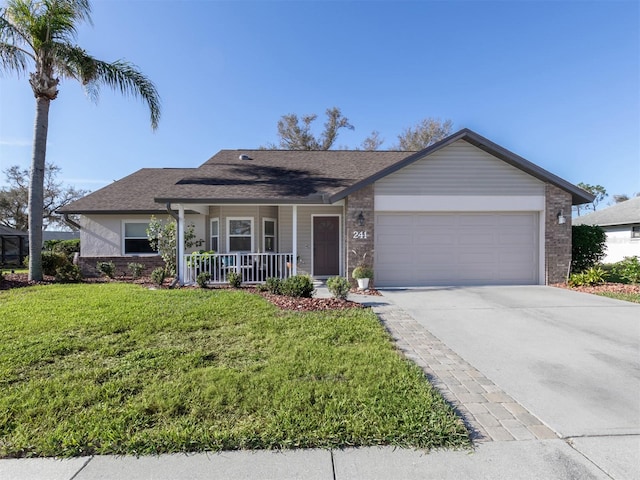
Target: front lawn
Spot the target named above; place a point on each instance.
(119, 369)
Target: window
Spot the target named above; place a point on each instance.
(240, 234)
(135, 238)
(635, 232)
(269, 235)
(215, 234)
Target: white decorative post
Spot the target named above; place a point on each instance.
(180, 263)
(294, 243)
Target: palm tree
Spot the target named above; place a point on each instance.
(42, 33)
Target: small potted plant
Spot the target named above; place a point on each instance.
(362, 274)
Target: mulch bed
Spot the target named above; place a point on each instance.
(604, 288)
(19, 280)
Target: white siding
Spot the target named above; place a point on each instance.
(459, 169)
(620, 244)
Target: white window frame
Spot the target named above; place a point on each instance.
(264, 235)
(231, 219)
(635, 232)
(125, 238)
(217, 219)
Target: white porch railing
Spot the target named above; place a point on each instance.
(252, 267)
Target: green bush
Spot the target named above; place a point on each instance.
(234, 279)
(136, 269)
(591, 276)
(297, 286)
(588, 246)
(51, 261)
(362, 272)
(273, 285)
(68, 274)
(339, 287)
(202, 279)
(627, 270)
(68, 247)
(158, 275)
(108, 269)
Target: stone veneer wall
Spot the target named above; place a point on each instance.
(356, 248)
(557, 237)
(88, 264)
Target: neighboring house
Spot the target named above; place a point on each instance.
(58, 235)
(463, 211)
(621, 222)
(14, 246)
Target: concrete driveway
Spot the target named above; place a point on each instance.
(572, 359)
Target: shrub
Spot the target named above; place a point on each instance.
(202, 279)
(274, 285)
(158, 275)
(136, 269)
(628, 270)
(234, 279)
(588, 246)
(592, 276)
(68, 274)
(1, 276)
(297, 286)
(362, 271)
(339, 287)
(51, 261)
(108, 269)
(68, 247)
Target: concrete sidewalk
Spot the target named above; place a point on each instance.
(540, 459)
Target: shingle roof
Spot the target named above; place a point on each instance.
(623, 213)
(134, 193)
(277, 177)
(8, 231)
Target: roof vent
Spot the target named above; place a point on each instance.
(245, 157)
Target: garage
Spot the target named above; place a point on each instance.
(462, 248)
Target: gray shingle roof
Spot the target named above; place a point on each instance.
(277, 177)
(8, 231)
(134, 193)
(623, 213)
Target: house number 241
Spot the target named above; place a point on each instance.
(360, 234)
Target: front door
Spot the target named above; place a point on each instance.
(326, 246)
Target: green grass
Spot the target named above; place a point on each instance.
(629, 297)
(119, 369)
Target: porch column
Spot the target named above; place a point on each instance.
(180, 258)
(294, 243)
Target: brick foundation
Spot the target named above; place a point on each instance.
(557, 237)
(88, 265)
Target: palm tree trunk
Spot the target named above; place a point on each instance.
(36, 187)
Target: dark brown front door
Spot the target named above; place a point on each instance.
(326, 246)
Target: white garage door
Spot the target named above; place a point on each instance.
(413, 249)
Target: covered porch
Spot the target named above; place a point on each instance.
(258, 242)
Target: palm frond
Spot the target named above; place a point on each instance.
(122, 76)
(12, 56)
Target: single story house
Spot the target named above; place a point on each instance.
(464, 211)
(14, 246)
(621, 222)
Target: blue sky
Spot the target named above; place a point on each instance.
(556, 82)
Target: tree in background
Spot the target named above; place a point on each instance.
(372, 142)
(43, 34)
(424, 133)
(597, 190)
(295, 133)
(588, 245)
(14, 199)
